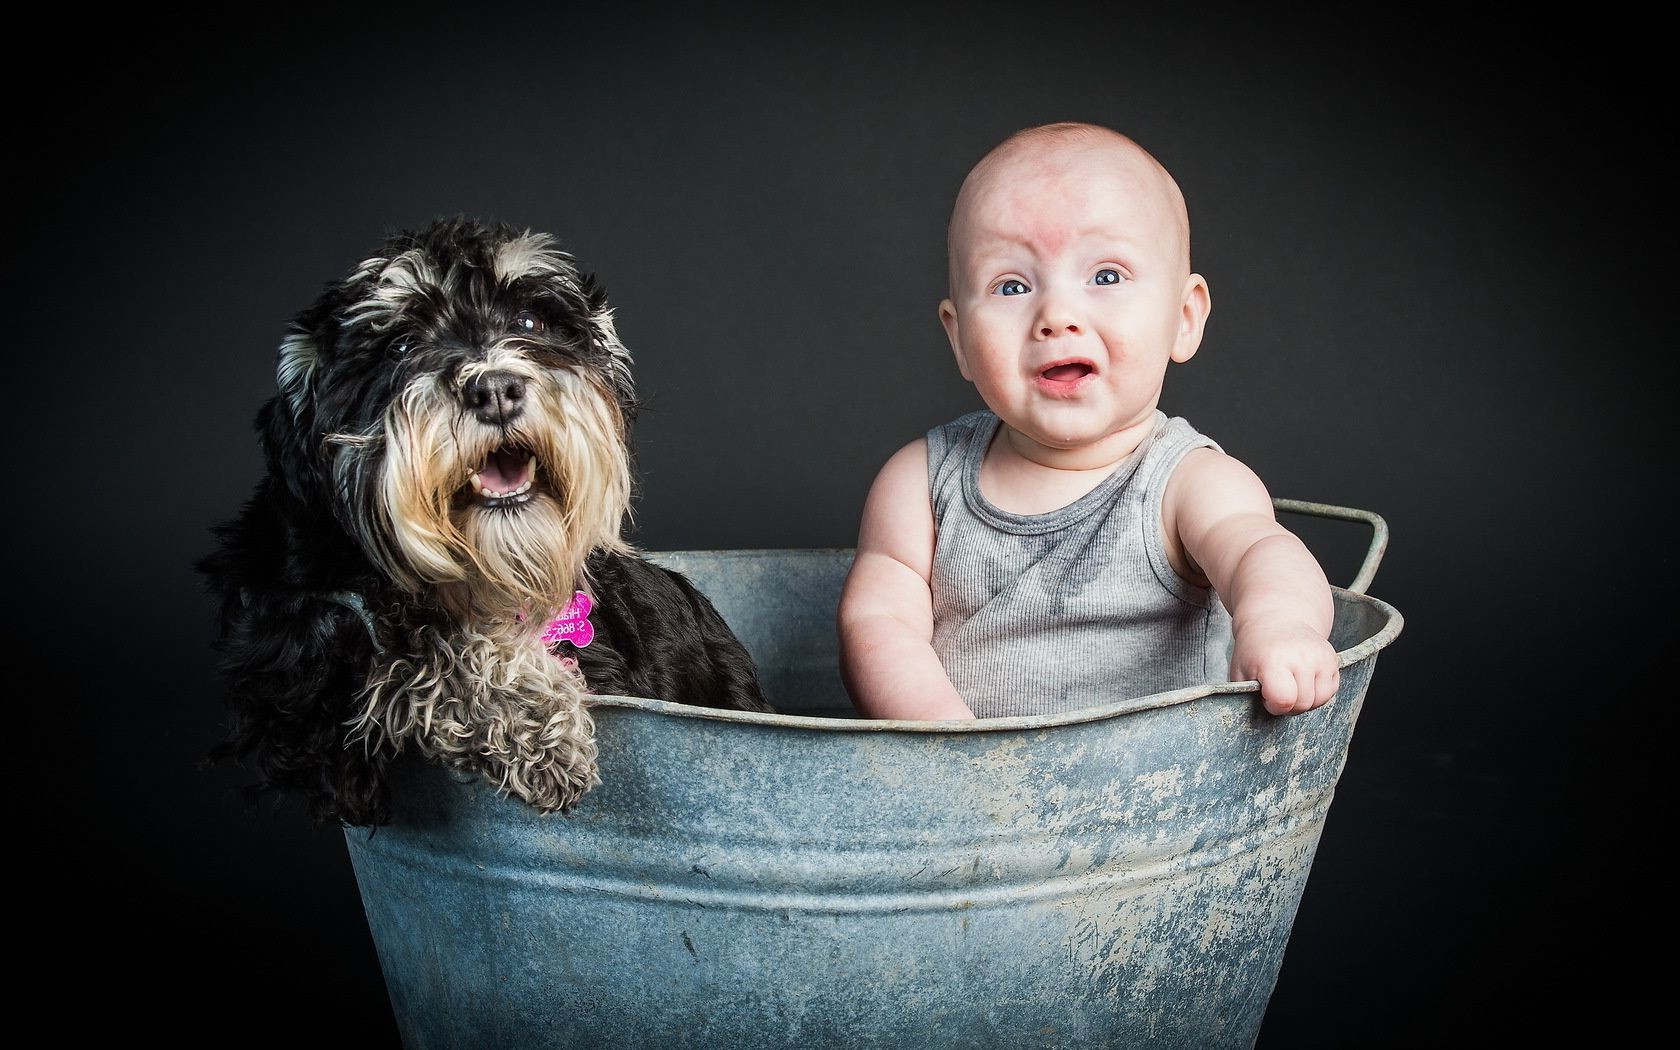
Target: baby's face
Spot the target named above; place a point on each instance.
(1071, 293)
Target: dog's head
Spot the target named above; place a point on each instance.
(460, 400)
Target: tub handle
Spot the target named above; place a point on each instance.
(1379, 533)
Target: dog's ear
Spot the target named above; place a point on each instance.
(288, 422)
(256, 551)
(603, 335)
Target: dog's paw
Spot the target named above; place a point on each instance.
(550, 766)
(553, 784)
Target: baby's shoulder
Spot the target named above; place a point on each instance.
(959, 435)
(968, 426)
(909, 463)
(1206, 480)
(1174, 445)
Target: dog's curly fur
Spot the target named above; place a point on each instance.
(447, 462)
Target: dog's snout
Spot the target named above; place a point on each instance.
(497, 398)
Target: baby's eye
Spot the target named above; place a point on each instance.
(1012, 287)
(528, 323)
(1107, 275)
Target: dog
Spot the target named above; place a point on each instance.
(434, 554)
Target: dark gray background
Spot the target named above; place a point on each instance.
(1433, 257)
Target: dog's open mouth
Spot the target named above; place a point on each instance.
(506, 478)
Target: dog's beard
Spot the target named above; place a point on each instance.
(414, 509)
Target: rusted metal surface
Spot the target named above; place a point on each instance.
(1125, 875)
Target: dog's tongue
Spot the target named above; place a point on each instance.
(505, 470)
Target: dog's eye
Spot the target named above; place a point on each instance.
(399, 347)
(528, 323)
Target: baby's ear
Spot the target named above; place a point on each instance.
(1194, 306)
(948, 318)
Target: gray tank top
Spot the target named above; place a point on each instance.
(1045, 613)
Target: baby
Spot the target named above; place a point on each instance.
(1070, 544)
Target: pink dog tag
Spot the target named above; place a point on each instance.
(572, 625)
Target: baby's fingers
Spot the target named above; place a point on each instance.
(1280, 691)
(1293, 691)
(1326, 683)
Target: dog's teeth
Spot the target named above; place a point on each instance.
(525, 486)
(530, 476)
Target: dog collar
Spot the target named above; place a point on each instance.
(572, 625)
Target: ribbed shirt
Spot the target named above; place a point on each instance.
(1046, 613)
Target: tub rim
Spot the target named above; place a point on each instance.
(1393, 622)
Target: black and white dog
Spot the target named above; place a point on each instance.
(434, 554)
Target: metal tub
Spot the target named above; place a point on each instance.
(1126, 875)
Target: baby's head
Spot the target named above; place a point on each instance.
(1071, 287)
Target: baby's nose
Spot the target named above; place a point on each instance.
(1058, 313)
(1056, 318)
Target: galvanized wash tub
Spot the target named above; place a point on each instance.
(1126, 875)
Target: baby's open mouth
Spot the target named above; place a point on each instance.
(1068, 372)
(506, 477)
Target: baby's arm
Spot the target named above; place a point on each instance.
(1218, 515)
(886, 608)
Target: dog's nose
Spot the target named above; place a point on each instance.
(497, 398)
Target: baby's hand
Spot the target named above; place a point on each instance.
(1295, 665)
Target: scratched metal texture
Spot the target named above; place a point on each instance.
(1121, 876)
